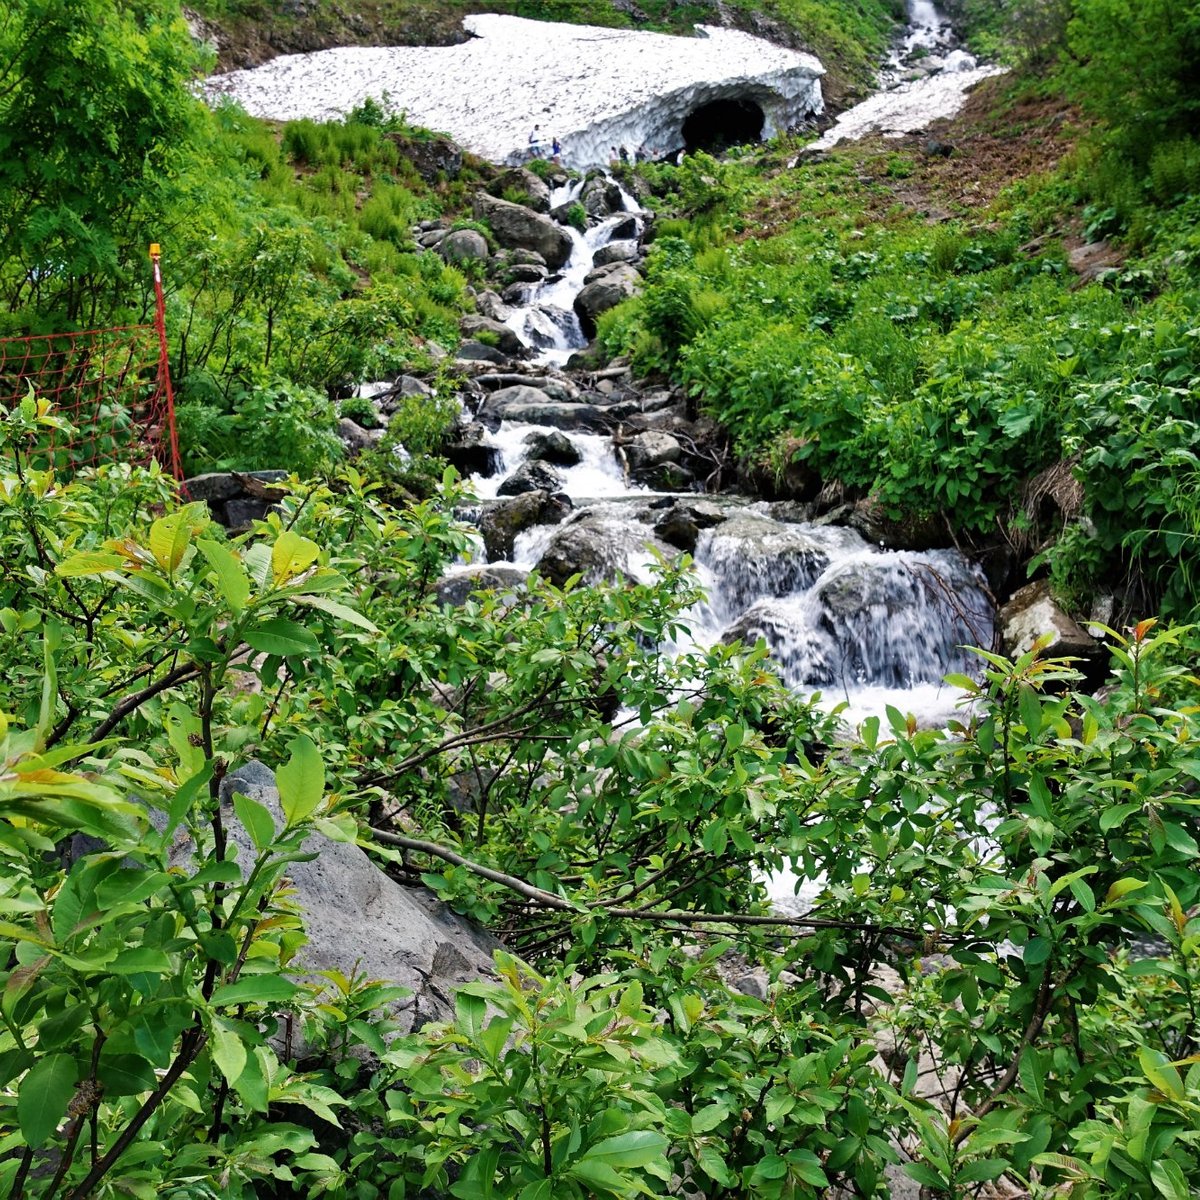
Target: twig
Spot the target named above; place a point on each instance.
(546, 899)
(1041, 1010)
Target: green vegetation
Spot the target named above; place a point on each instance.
(977, 880)
(974, 1000)
(940, 368)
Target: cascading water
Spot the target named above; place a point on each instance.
(547, 321)
(926, 76)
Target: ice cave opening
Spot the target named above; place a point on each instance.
(721, 123)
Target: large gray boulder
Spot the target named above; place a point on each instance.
(502, 521)
(1031, 613)
(457, 586)
(534, 407)
(361, 922)
(531, 476)
(617, 251)
(600, 197)
(619, 282)
(516, 226)
(473, 326)
(553, 447)
(519, 180)
(463, 245)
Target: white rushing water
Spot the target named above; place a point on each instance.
(926, 77)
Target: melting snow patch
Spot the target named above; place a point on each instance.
(592, 88)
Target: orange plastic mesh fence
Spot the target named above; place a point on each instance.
(108, 383)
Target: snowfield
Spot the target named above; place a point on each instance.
(592, 88)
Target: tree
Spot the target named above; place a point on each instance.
(96, 126)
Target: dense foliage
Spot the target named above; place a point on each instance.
(999, 980)
(943, 367)
(623, 806)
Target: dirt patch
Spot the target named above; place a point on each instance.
(955, 168)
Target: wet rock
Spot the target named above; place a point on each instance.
(463, 245)
(1031, 613)
(624, 230)
(547, 327)
(469, 454)
(519, 294)
(535, 407)
(911, 533)
(502, 521)
(619, 283)
(650, 449)
(589, 547)
(553, 447)
(355, 438)
(405, 386)
(517, 226)
(754, 556)
(437, 156)
(358, 920)
(490, 305)
(531, 476)
(681, 524)
(519, 180)
(478, 352)
(616, 251)
(456, 588)
(485, 329)
(236, 498)
(600, 197)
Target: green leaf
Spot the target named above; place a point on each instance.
(291, 555)
(633, 1149)
(141, 960)
(1159, 1071)
(255, 989)
(1121, 888)
(169, 537)
(1167, 1176)
(283, 638)
(89, 562)
(43, 1097)
(301, 780)
(709, 1117)
(469, 1013)
(228, 1052)
(713, 1164)
(770, 1167)
(255, 819)
(599, 1176)
(232, 580)
(125, 1074)
(342, 611)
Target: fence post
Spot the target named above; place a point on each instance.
(164, 365)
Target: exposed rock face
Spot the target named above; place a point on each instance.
(502, 521)
(535, 407)
(438, 156)
(531, 476)
(469, 454)
(619, 282)
(600, 197)
(596, 548)
(681, 524)
(1031, 613)
(455, 589)
(516, 226)
(462, 245)
(236, 498)
(517, 179)
(359, 920)
(473, 325)
(553, 447)
(637, 91)
(616, 251)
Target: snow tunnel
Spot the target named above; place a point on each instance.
(721, 123)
